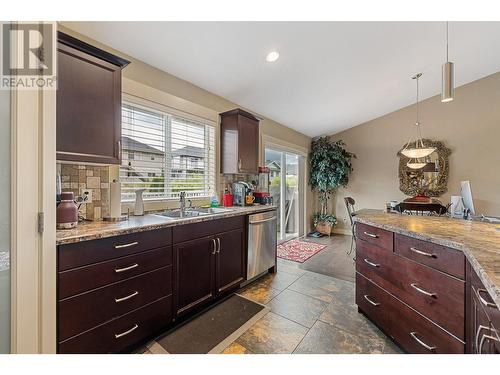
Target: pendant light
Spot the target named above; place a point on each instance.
(448, 77)
(417, 150)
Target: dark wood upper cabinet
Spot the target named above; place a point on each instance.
(88, 102)
(239, 142)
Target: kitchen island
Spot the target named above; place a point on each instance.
(431, 283)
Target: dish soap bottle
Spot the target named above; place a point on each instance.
(214, 202)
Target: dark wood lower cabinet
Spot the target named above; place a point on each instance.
(483, 318)
(194, 273)
(122, 333)
(426, 297)
(118, 292)
(230, 269)
(206, 268)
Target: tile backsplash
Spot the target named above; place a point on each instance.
(77, 177)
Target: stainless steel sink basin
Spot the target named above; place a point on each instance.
(212, 210)
(177, 214)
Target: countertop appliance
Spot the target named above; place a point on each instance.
(262, 243)
(241, 190)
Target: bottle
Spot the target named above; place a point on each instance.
(214, 202)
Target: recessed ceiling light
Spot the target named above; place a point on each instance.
(272, 56)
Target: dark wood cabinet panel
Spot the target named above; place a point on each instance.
(442, 258)
(230, 269)
(239, 142)
(483, 315)
(123, 333)
(83, 253)
(88, 103)
(376, 236)
(194, 274)
(88, 310)
(188, 232)
(432, 293)
(414, 290)
(96, 275)
(414, 332)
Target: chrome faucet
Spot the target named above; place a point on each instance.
(182, 201)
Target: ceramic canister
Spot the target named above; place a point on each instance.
(67, 212)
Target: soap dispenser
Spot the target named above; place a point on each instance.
(139, 203)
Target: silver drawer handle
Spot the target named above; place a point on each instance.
(371, 263)
(478, 332)
(118, 270)
(428, 347)
(483, 301)
(215, 246)
(262, 221)
(369, 300)
(218, 245)
(371, 235)
(118, 300)
(423, 253)
(126, 245)
(118, 335)
(489, 337)
(420, 290)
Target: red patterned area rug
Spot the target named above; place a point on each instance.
(298, 251)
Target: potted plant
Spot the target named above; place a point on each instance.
(330, 166)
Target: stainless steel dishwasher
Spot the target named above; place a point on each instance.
(262, 243)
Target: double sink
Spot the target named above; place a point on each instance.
(193, 212)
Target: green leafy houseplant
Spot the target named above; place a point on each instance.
(330, 166)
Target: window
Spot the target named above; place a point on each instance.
(170, 154)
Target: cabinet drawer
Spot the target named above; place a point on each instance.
(373, 301)
(442, 258)
(85, 278)
(417, 334)
(85, 311)
(438, 296)
(375, 236)
(88, 252)
(124, 332)
(410, 329)
(189, 232)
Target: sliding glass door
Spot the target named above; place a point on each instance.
(286, 187)
(5, 221)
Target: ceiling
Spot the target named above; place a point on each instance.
(330, 75)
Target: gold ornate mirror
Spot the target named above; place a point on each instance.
(432, 179)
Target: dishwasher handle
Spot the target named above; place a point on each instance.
(262, 221)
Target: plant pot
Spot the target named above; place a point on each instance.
(324, 228)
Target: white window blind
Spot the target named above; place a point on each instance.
(165, 154)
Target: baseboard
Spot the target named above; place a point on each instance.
(344, 231)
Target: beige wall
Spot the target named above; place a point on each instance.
(154, 78)
(469, 126)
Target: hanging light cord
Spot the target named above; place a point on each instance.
(419, 130)
(447, 59)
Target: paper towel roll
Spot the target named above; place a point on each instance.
(115, 199)
(456, 206)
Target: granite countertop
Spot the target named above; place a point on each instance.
(479, 241)
(92, 230)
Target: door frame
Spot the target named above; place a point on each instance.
(281, 146)
(33, 253)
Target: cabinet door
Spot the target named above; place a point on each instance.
(248, 145)
(230, 270)
(88, 107)
(194, 273)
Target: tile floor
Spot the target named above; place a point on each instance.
(312, 309)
